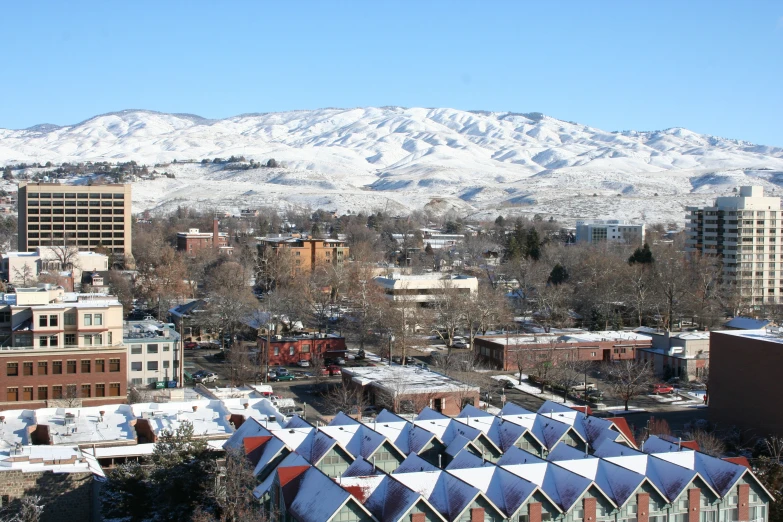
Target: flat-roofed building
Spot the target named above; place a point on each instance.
(19, 268)
(194, 240)
(425, 288)
(154, 350)
(595, 231)
(304, 254)
(90, 217)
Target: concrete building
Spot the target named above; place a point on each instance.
(287, 350)
(676, 354)
(303, 254)
(59, 346)
(744, 372)
(88, 217)
(425, 288)
(504, 351)
(408, 389)
(596, 231)
(20, 268)
(744, 231)
(153, 354)
(194, 240)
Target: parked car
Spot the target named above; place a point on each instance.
(410, 360)
(360, 355)
(580, 386)
(509, 385)
(460, 344)
(207, 377)
(190, 345)
(279, 370)
(199, 373)
(662, 388)
(279, 377)
(340, 361)
(334, 370)
(303, 364)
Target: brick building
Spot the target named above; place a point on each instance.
(194, 240)
(305, 254)
(676, 354)
(67, 479)
(289, 350)
(408, 389)
(744, 372)
(503, 351)
(59, 346)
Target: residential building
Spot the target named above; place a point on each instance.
(434, 238)
(614, 231)
(154, 350)
(90, 217)
(304, 254)
(67, 479)
(287, 350)
(744, 372)
(676, 354)
(556, 463)
(59, 346)
(506, 352)
(743, 230)
(408, 389)
(194, 240)
(22, 268)
(425, 288)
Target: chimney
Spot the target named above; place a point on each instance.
(246, 405)
(215, 233)
(195, 407)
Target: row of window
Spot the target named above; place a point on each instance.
(305, 349)
(69, 319)
(136, 349)
(70, 340)
(73, 219)
(76, 195)
(152, 366)
(43, 367)
(59, 226)
(58, 391)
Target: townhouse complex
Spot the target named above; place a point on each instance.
(744, 231)
(554, 464)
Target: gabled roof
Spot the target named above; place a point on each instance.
(362, 468)
(311, 496)
(414, 463)
(250, 428)
(621, 424)
(358, 439)
(406, 436)
(290, 460)
(720, 475)
(388, 499)
(505, 490)
(449, 495)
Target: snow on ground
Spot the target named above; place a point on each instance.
(533, 390)
(394, 159)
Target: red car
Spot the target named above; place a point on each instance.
(333, 369)
(190, 345)
(662, 388)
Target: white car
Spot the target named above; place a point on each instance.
(303, 364)
(209, 377)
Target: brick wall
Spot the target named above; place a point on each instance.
(694, 504)
(66, 497)
(323, 347)
(643, 507)
(589, 506)
(476, 514)
(743, 508)
(534, 512)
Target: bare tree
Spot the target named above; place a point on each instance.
(65, 257)
(24, 275)
(232, 492)
(240, 368)
(72, 397)
(25, 509)
(346, 399)
(629, 379)
(566, 375)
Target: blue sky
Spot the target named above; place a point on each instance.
(713, 67)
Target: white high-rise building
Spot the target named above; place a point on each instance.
(744, 230)
(596, 230)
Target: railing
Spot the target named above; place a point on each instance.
(67, 347)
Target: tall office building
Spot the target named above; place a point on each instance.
(744, 231)
(597, 230)
(87, 217)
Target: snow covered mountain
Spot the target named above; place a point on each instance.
(397, 159)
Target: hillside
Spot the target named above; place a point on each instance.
(478, 163)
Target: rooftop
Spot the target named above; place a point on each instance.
(59, 459)
(148, 331)
(210, 418)
(87, 425)
(406, 379)
(571, 337)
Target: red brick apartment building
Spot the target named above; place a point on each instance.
(289, 350)
(744, 386)
(503, 351)
(60, 347)
(194, 240)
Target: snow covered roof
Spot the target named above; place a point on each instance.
(569, 337)
(260, 409)
(15, 427)
(88, 425)
(406, 436)
(355, 437)
(747, 323)
(58, 459)
(388, 499)
(449, 495)
(508, 492)
(406, 380)
(209, 418)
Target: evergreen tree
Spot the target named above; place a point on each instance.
(532, 245)
(558, 275)
(500, 221)
(641, 255)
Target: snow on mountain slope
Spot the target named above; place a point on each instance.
(478, 163)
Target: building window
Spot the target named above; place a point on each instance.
(43, 393)
(137, 381)
(28, 369)
(70, 339)
(114, 365)
(53, 320)
(290, 350)
(277, 350)
(87, 340)
(152, 348)
(114, 388)
(110, 342)
(98, 319)
(166, 347)
(43, 320)
(57, 392)
(71, 367)
(53, 340)
(136, 366)
(100, 390)
(135, 349)
(87, 319)
(43, 368)
(69, 319)
(305, 348)
(43, 341)
(86, 390)
(152, 366)
(12, 369)
(12, 395)
(166, 364)
(57, 367)
(97, 339)
(85, 366)
(99, 366)
(27, 393)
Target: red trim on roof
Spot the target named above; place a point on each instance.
(357, 491)
(742, 461)
(690, 444)
(289, 473)
(622, 425)
(252, 443)
(587, 410)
